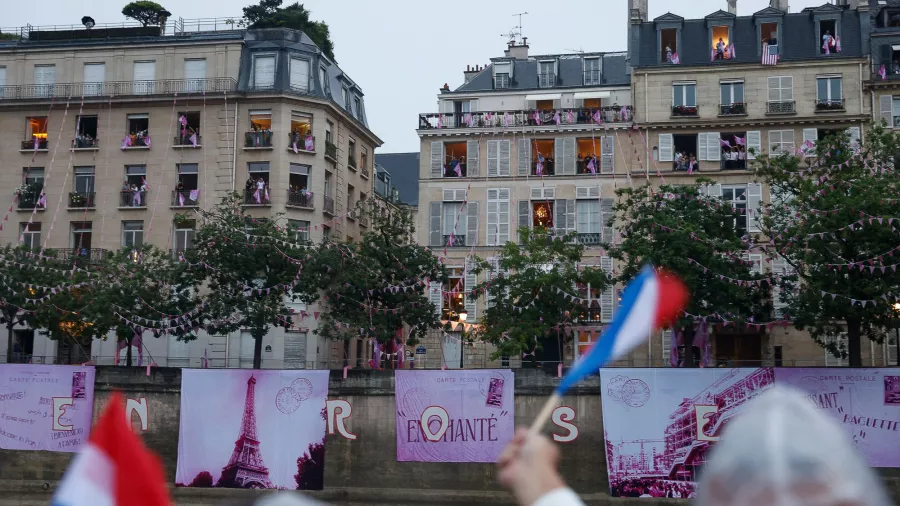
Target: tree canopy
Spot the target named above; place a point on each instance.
(146, 12)
(270, 14)
(832, 219)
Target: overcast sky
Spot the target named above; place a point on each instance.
(402, 51)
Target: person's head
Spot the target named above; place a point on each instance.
(782, 451)
(720, 40)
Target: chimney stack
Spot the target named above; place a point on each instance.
(637, 11)
(732, 7)
(781, 5)
(471, 71)
(517, 51)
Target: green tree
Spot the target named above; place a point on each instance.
(830, 220)
(679, 227)
(270, 14)
(146, 12)
(376, 284)
(246, 268)
(531, 290)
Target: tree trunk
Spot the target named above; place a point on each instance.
(257, 351)
(689, 347)
(10, 322)
(854, 344)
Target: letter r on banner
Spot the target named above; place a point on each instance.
(443, 418)
(338, 411)
(702, 412)
(561, 417)
(59, 409)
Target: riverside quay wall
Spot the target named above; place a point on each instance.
(363, 470)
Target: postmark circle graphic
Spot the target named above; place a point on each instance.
(415, 401)
(484, 386)
(811, 384)
(635, 393)
(303, 387)
(287, 401)
(614, 388)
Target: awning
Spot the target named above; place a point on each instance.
(591, 94)
(548, 96)
(896, 47)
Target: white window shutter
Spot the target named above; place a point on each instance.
(754, 206)
(491, 274)
(299, 74)
(779, 268)
(701, 146)
(754, 143)
(471, 281)
(264, 72)
(434, 224)
(437, 159)
(570, 155)
(524, 213)
(608, 297)
(666, 146)
(853, 132)
(666, 346)
(503, 216)
(559, 154)
(756, 262)
(523, 155)
(144, 75)
(713, 147)
(581, 192)
(504, 155)
(811, 135)
(606, 214)
(473, 152)
(570, 215)
(537, 193)
(493, 158)
(886, 106)
(471, 223)
(608, 154)
(436, 296)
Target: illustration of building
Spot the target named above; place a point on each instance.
(246, 468)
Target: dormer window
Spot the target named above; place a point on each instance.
(722, 47)
(547, 74)
(769, 41)
(829, 39)
(668, 45)
(502, 75)
(592, 71)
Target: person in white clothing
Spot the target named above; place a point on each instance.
(528, 468)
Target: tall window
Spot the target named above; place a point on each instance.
(187, 176)
(684, 94)
(732, 92)
(31, 235)
(138, 132)
(184, 235)
(588, 224)
(345, 96)
(299, 230)
(781, 141)
(264, 72)
(80, 239)
(84, 180)
(194, 74)
(546, 74)
(502, 75)
(132, 234)
(35, 133)
(323, 78)
(188, 128)
(737, 197)
(86, 128)
(591, 71)
(33, 176)
(300, 75)
(781, 93)
(44, 80)
(144, 77)
(94, 77)
(358, 110)
(455, 224)
(829, 93)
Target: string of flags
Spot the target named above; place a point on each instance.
(739, 282)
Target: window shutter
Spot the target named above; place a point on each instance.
(886, 105)
(811, 135)
(779, 268)
(493, 158)
(559, 154)
(666, 146)
(756, 262)
(436, 296)
(493, 216)
(503, 216)
(853, 132)
(711, 190)
(713, 147)
(503, 155)
(608, 154)
(570, 155)
(524, 215)
(45, 74)
(608, 297)
(471, 223)
(144, 74)
(559, 216)
(472, 158)
(587, 192)
(606, 216)
(196, 69)
(471, 281)
(437, 159)
(264, 72)
(754, 206)
(701, 147)
(300, 74)
(754, 143)
(570, 215)
(523, 156)
(434, 224)
(491, 274)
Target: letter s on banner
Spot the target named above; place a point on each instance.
(138, 405)
(702, 412)
(562, 415)
(443, 417)
(338, 411)
(59, 409)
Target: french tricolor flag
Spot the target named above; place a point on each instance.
(115, 468)
(652, 300)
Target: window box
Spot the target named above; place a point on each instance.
(782, 107)
(258, 139)
(79, 200)
(133, 199)
(735, 109)
(830, 105)
(684, 111)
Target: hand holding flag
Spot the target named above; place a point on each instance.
(652, 300)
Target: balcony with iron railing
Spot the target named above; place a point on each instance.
(830, 105)
(116, 89)
(30, 198)
(185, 198)
(351, 161)
(734, 164)
(182, 141)
(86, 143)
(453, 241)
(257, 197)
(133, 198)
(684, 111)
(545, 168)
(297, 142)
(258, 139)
(781, 107)
(35, 144)
(588, 316)
(82, 200)
(79, 256)
(328, 206)
(733, 109)
(330, 151)
(589, 239)
(300, 198)
(547, 80)
(526, 118)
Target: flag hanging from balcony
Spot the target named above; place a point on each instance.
(731, 50)
(126, 142)
(769, 55)
(42, 202)
(183, 120)
(592, 165)
(556, 118)
(309, 143)
(675, 59)
(598, 118)
(194, 195)
(537, 117)
(37, 143)
(882, 72)
(181, 199)
(193, 139)
(540, 165)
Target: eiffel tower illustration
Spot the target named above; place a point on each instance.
(246, 469)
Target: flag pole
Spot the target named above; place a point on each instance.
(544, 414)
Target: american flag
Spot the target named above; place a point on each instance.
(769, 57)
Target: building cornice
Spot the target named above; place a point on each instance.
(743, 67)
(778, 120)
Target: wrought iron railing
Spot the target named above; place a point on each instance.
(185, 140)
(82, 199)
(529, 118)
(733, 109)
(300, 198)
(77, 255)
(30, 144)
(256, 197)
(117, 88)
(588, 316)
(300, 141)
(136, 198)
(328, 207)
(734, 164)
(453, 241)
(330, 150)
(30, 200)
(689, 111)
(831, 104)
(182, 198)
(593, 239)
(781, 107)
(258, 139)
(82, 143)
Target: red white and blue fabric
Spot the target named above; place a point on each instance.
(651, 300)
(115, 469)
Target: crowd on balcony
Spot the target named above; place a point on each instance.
(134, 195)
(189, 135)
(256, 191)
(140, 138)
(308, 142)
(258, 138)
(185, 196)
(456, 167)
(587, 164)
(686, 162)
(84, 141)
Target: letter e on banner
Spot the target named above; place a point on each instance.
(443, 418)
(703, 412)
(138, 405)
(561, 417)
(59, 409)
(338, 411)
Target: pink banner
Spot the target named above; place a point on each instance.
(252, 429)
(469, 415)
(45, 407)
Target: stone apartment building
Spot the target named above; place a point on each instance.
(770, 85)
(528, 140)
(92, 116)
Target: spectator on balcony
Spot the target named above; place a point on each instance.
(250, 184)
(179, 187)
(692, 163)
(126, 193)
(668, 54)
(720, 49)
